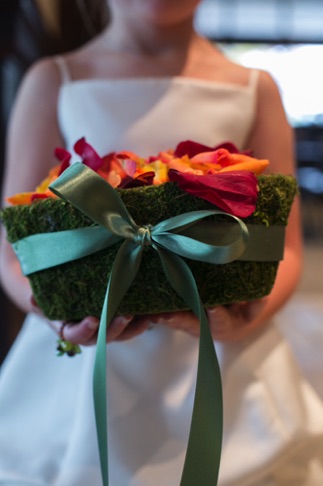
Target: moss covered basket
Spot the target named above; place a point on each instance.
(76, 289)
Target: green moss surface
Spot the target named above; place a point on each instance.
(76, 289)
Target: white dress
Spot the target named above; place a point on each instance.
(273, 419)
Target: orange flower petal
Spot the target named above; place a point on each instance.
(256, 166)
(22, 198)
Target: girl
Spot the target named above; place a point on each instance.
(145, 83)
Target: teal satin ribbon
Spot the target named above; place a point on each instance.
(92, 195)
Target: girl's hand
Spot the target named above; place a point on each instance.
(236, 321)
(85, 331)
(227, 323)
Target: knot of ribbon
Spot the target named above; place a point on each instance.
(173, 239)
(143, 236)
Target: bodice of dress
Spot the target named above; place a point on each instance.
(147, 115)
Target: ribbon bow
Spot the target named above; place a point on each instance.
(97, 199)
(173, 238)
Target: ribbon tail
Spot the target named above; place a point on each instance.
(203, 453)
(129, 258)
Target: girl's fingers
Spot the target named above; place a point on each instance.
(236, 321)
(136, 326)
(221, 323)
(117, 327)
(84, 332)
(227, 323)
(182, 321)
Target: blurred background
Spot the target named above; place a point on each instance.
(282, 37)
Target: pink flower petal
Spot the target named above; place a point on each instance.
(129, 166)
(190, 148)
(89, 156)
(64, 157)
(235, 193)
(230, 147)
(62, 154)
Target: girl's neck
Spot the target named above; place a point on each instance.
(145, 40)
(134, 46)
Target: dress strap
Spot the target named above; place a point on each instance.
(63, 69)
(253, 79)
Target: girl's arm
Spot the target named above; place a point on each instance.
(33, 134)
(271, 138)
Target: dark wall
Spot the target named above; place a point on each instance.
(24, 39)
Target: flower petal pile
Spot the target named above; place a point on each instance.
(235, 193)
(222, 175)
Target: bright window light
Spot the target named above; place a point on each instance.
(296, 69)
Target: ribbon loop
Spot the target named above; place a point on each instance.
(92, 195)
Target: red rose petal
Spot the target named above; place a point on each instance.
(64, 157)
(89, 156)
(235, 193)
(190, 148)
(62, 154)
(39, 195)
(232, 148)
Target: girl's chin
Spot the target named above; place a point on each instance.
(159, 12)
